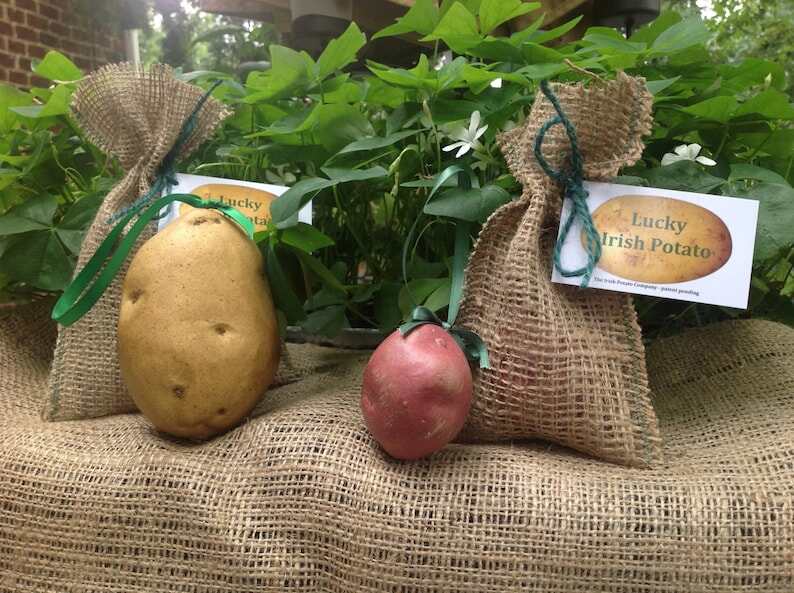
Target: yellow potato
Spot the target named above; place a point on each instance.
(660, 240)
(197, 335)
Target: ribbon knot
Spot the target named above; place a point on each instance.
(469, 342)
(572, 179)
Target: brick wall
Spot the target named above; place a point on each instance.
(30, 28)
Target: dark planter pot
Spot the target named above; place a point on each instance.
(351, 338)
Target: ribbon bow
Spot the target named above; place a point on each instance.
(572, 180)
(472, 345)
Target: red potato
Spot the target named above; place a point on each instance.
(416, 392)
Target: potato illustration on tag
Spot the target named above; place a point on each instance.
(254, 203)
(660, 240)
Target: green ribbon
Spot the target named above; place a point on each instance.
(470, 343)
(98, 273)
(573, 181)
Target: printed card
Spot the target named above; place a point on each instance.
(664, 243)
(252, 199)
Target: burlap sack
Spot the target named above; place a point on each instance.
(567, 365)
(301, 499)
(135, 116)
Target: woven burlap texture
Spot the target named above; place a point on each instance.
(134, 115)
(301, 499)
(567, 364)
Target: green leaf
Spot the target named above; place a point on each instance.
(771, 104)
(284, 297)
(11, 97)
(457, 28)
(657, 86)
(775, 219)
(609, 40)
(306, 238)
(288, 204)
(684, 176)
(473, 205)
(374, 143)
(495, 12)
(752, 71)
(341, 51)
(57, 104)
(651, 32)
(326, 276)
(420, 289)
(337, 125)
(719, 108)
(681, 35)
(421, 18)
(74, 224)
(741, 171)
(33, 214)
(38, 259)
(57, 67)
(289, 70)
(327, 322)
(439, 299)
(387, 307)
(555, 33)
(418, 77)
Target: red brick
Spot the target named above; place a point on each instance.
(26, 4)
(69, 46)
(36, 21)
(3, 75)
(20, 78)
(59, 29)
(36, 51)
(5, 28)
(48, 39)
(26, 33)
(14, 16)
(51, 12)
(83, 63)
(16, 47)
(6, 61)
(23, 63)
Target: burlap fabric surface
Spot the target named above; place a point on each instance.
(301, 499)
(567, 364)
(135, 116)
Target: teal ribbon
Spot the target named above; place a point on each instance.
(98, 273)
(573, 182)
(470, 343)
(166, 172)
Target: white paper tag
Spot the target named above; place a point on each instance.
(250, 198)
(664, 243)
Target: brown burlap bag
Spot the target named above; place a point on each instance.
(135, 116)
(567, 365)
(301, 499)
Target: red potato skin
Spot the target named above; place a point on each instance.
(416, 392)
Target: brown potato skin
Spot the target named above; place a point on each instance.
(197, 335)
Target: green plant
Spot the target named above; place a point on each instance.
(368, 145)
(52, 181)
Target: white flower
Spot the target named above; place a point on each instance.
(496, 83)
(687, 152)
(467, 139)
